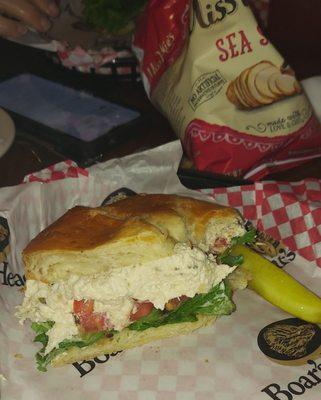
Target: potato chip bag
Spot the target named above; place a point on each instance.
(229, 95)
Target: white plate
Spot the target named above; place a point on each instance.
(7, 132)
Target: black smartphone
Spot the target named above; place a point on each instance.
(78, 124)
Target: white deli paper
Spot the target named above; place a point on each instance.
(219, 362)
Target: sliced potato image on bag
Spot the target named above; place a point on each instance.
(287, 84)
(261, 84)
(251, 82)
(230, 94)
(238, 95)
(272, 84)
(243, 77)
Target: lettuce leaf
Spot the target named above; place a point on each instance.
(43, 360)
(216, 302)
(227, 258)
(248, 237)
(41, 329)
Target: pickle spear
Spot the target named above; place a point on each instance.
(278, 287)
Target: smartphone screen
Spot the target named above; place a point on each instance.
(61, 108)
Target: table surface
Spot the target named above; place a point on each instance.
(26, 155)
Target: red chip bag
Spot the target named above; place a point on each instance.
(226, 91)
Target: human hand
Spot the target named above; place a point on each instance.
(16, 16)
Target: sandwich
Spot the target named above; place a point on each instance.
(147, 267)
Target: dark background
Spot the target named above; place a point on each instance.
(294, 27)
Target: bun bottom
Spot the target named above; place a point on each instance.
(128, 339)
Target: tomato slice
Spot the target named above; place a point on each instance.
(89, 320)
(95, 322)
(83, 306)
(142, 309)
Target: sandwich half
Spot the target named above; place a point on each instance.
(149, 267)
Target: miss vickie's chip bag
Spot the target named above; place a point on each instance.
(226, 91)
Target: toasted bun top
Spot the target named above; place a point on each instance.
(151, 203)
(81, 228)
(137, 229)
(157, 209)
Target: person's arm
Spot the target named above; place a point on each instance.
(16, 16)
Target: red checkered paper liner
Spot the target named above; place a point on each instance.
(95, 60)
(62, 170)
(288, 211)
